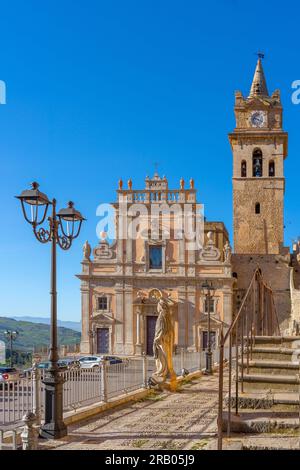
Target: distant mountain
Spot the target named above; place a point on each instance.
(36, 334)
(73, 325)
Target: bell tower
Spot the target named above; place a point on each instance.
(259, 147)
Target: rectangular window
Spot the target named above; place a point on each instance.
(155, 257)
(211, 306)
(102, 303)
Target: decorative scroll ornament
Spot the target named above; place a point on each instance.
(103, 251)
(155, 295)
(210, 252)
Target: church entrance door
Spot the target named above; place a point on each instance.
(150, 333)
(102, 340)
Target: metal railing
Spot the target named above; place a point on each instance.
(256, 316)
(83, 387)
(19, 396)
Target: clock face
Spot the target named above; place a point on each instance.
(257, 118)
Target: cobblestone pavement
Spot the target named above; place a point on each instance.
(165, 421)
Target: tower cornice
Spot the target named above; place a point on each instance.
(241, 136)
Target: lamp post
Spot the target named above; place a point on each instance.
(92, 335)
(63, 227)
(11, 336)
(208, 291)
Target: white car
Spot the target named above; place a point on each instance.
(90, 362)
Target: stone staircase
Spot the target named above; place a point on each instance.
(272, 367)
(270, 398)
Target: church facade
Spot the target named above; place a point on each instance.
(121, 282)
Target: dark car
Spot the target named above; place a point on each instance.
(116, 360)
(63, 364)
(8, 375)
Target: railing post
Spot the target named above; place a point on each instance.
(29, 434)
(145, 370)
(181, 360)
(103, 378)
(220, 407)
(36, 385)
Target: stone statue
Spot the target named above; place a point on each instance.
(182, 184)
(163, 346)
(87, 251)
(227, 252)
(129, 183)
(192, 185)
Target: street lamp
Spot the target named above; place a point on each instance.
(63, 227)
(11, 336)
(208, 291)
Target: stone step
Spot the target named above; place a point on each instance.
(273, 354)
(261, 366)
(278, 341)
(265, 400)
(272, 382)
(262, 421)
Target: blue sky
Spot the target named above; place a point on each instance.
(98, 90)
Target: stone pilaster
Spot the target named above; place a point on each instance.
(191, 299)
(119, 325)
(227, 305)
(85, 346)
(181, 317)
(128, 321)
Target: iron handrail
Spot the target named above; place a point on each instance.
(255, 274)
(262, 317)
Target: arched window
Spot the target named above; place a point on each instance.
(257, 208)
(257, 163)
(271, 168)
(244, 169)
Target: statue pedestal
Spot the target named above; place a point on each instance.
(138, 349)
(171, 384)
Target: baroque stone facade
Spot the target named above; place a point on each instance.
(122, 282)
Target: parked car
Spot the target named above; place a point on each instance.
(91, 362)
(69, 363)
(8, 375)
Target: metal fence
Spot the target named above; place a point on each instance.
(86, 386)
(16, 398)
